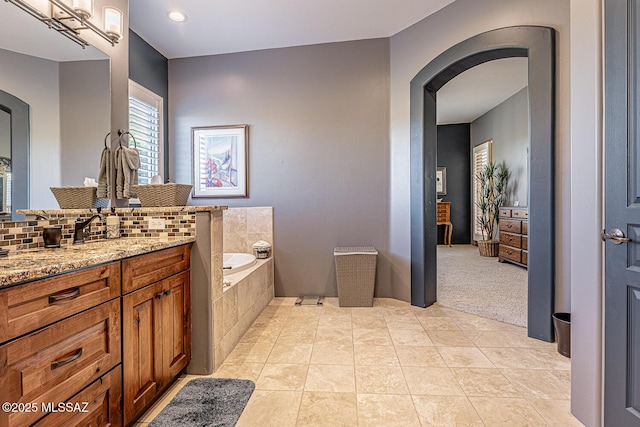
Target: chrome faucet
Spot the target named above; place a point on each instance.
(79, 228)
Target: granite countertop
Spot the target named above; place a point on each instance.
(126, 211)
(29, 264)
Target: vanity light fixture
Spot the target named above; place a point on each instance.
(70, 17)
(177, 15)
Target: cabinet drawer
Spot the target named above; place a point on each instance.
(508, 252)
(510, 239)
(525, 242)
(520, 213)
(525, 257)
(103, 405)
(511, 226)
(142, 270)
(25, 308)
(53, 364)
(442, 218)
(504, 213)
(525, 227)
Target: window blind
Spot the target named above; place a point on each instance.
(481, 157)
(145, 124)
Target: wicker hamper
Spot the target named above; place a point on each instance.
(356, 275)
(155, 195)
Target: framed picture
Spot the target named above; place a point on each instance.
(220, 161)
(441, 181)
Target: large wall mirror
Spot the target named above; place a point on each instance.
(68, 93)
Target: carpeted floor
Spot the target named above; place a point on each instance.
(206, 402)
(481, 285)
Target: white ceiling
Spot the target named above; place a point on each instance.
(478, 90)
(225, 26)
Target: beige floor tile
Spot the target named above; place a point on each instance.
(368, 323)
(431, 381)
(290, 353)
(166, 397)
(250, 352)
(387, 410)
(335, 336)
(483, 382)
(244, 371)
(432, 311)
(539, 384)
(419, 356)
(390, 303)
(402, 322)
(446, 411)
(520, 339)
(261, 334)
(461, 357)
(371, 337)
(449, 339)
(375, 355)
(556, 412)
(368, 312)
(438, 324)
(497, 411)
(329, 353)
(271, 408)
(490, 338)
(331, 378)
(335, 322)
(380, 380)
(282, 377)
(410, 337)
(328, 410)
(481, 324)
(301, 336)
(526, 358)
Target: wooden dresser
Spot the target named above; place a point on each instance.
(443, 217)
(514, 235)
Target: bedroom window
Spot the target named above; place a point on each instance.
(481, 157)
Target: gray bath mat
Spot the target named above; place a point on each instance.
(206, 402)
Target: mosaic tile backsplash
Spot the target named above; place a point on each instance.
(28, 234)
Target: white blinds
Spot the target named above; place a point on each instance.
(481, 157)
(145, 124)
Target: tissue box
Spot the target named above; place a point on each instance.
(78, 197)
(155, 195)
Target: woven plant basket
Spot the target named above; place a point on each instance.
(488, 247)
(78, 197)
(155, 195)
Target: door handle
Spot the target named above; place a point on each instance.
(616, 236)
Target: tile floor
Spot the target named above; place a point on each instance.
(393, 365)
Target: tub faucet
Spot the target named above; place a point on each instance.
(79, 228)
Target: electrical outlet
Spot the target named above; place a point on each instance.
(156, 224)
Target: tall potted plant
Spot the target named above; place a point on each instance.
(493, 183)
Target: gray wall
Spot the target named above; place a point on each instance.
(85, 118)
(318, 151)
(508, 125)
(453, 153)
(5, 134)
(35, 81)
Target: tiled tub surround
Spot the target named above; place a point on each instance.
(250, 292)
(245, 226)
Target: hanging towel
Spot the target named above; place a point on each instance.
(104, 174)
(127, 165)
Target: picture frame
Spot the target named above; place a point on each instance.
(220, 161)
(441, 181)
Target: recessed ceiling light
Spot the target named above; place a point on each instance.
(177, 15)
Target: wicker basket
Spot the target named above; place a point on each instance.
(154, 195)
(78, 197)
(488, 247)
(356, 275)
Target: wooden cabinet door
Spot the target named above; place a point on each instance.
(142, 357)
(176, 324)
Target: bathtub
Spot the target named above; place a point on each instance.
(234, 262)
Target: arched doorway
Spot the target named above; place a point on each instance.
(538, 44)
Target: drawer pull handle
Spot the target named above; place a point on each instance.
(74, 292)
(159, 296)
(167, 292)
(58, 363)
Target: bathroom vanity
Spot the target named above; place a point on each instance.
(92, 334)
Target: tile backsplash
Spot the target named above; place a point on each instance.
(135, 223)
